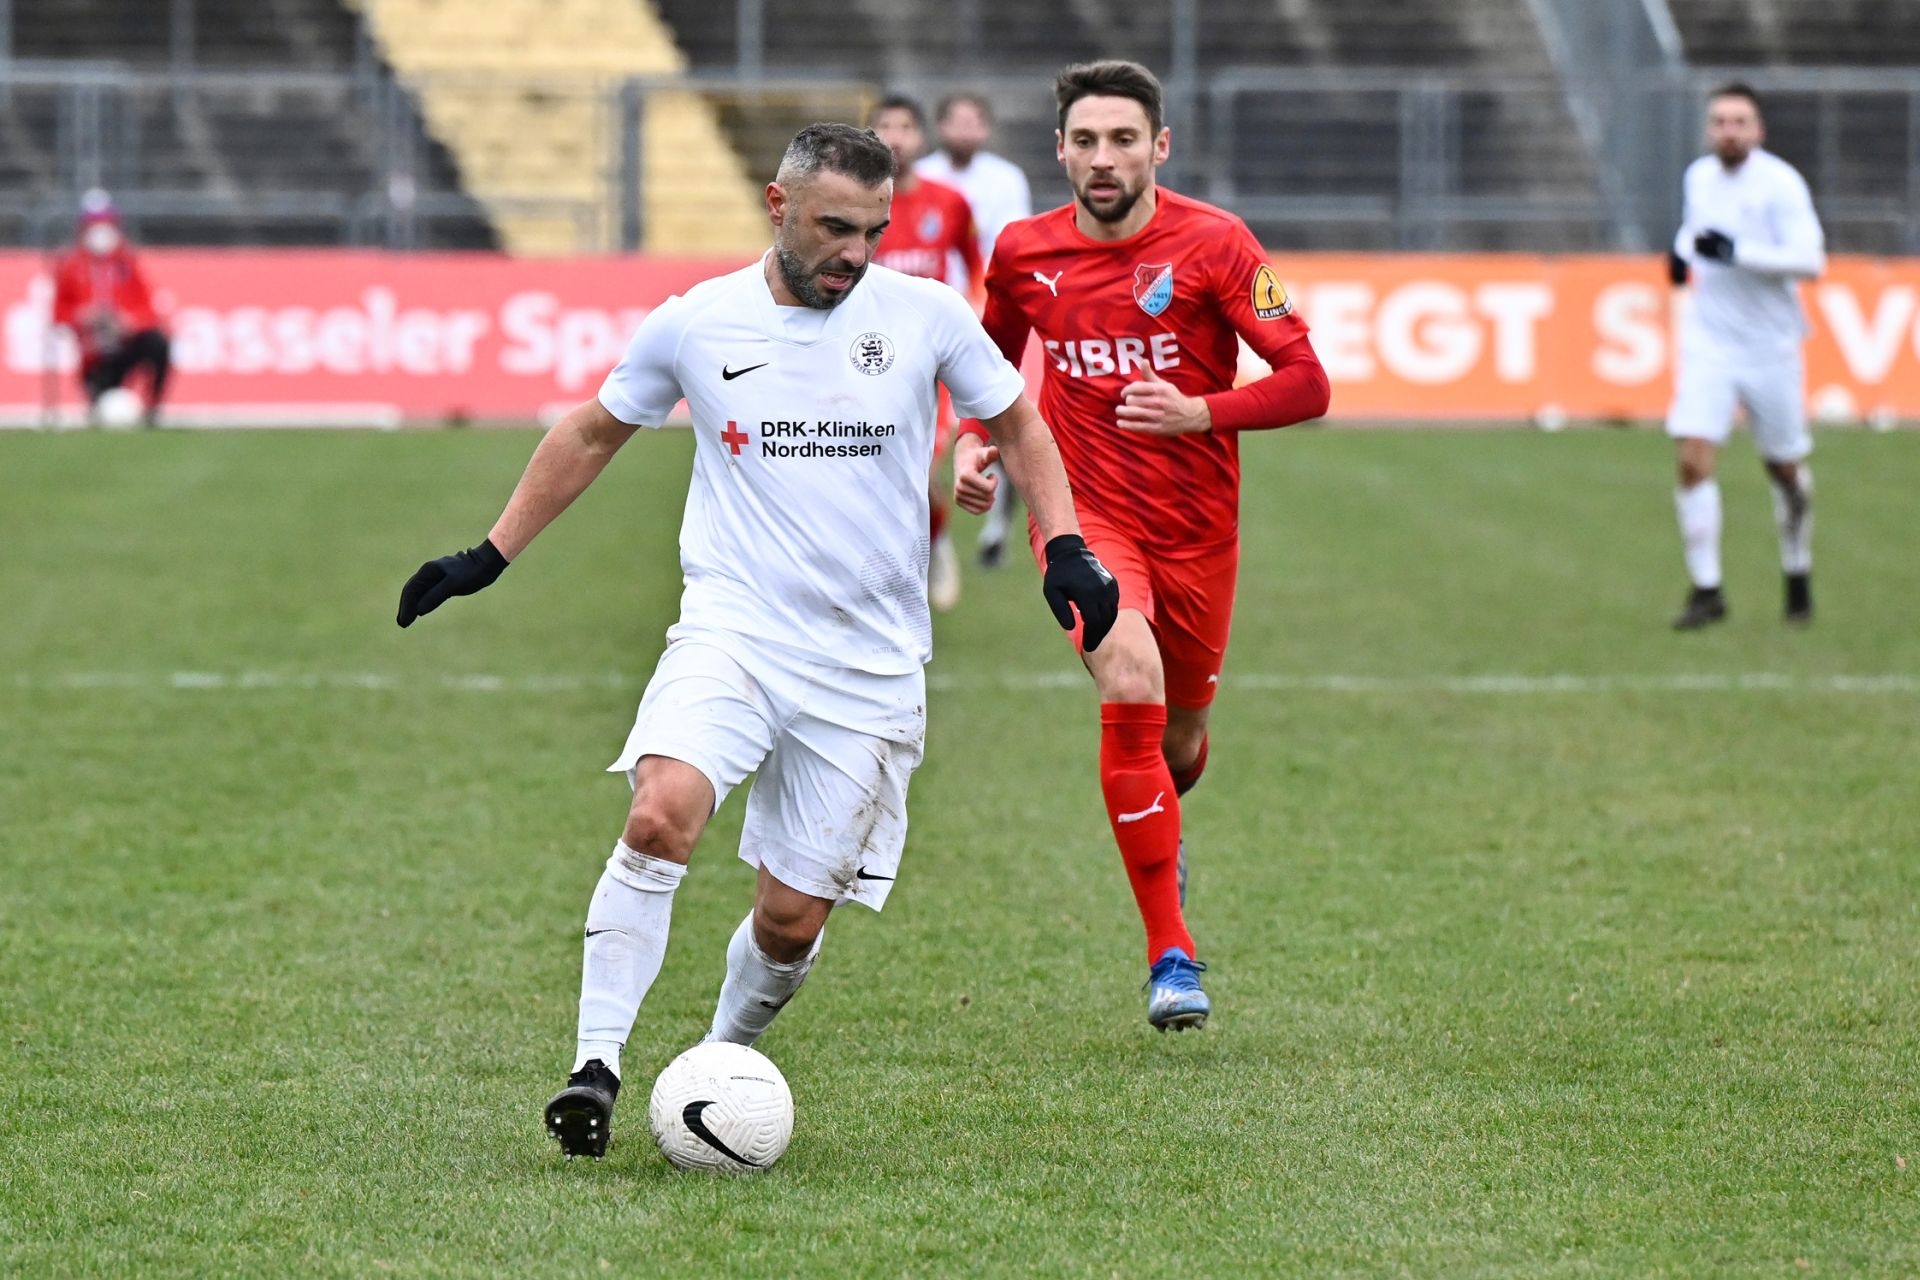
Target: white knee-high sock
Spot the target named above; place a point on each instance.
(1699, 511)
(756, 987)
(1793, 517)
(626, 941)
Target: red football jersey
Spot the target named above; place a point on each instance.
(1175, 296)
(85, 283)
(930, 221)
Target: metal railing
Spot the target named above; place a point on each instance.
(1350, 158)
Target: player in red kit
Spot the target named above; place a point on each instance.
(1140, 297)
(929, 222)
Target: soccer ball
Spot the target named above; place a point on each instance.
(119, 408)
(721, 1108)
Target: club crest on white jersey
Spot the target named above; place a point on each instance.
(872, 354)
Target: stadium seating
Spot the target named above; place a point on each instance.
(1854, 145)
(1519, 145)
(285, 161)
(552, 137)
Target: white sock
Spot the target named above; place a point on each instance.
(756, 987)
(1699, 509)
(626, 941)
(1793, 516)
(1000, 515)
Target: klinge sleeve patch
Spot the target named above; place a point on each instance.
(1270, 300)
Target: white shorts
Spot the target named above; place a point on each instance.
(833, 749)
(1772, 387)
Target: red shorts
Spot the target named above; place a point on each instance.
(1188, 603)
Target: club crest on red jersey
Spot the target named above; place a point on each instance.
(930, 223)
(1153, 287)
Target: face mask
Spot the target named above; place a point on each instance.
(101, 238)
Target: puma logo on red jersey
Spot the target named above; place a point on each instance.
(1101, 357)
(1053, 285)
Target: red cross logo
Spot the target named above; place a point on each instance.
(734, 437)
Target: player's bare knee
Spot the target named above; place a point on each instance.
(1127, 668)
(1694, 461)
(1180, 744)
(653, 829)
(784, 934)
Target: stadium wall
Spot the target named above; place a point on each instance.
(317, 337)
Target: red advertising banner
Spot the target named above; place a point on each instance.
(314, 336)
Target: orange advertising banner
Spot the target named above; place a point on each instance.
(263, 335)
(1511, 336)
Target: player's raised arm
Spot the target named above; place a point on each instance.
(567, 460)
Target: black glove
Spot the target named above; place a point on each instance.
(1714, 245)
(437, 581)
(1075, 577)
(1676, 269)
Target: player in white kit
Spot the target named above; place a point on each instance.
(803, 625)
(1748, 236)
(997, 189)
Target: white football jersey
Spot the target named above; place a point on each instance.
(994, 186)
(1754, 302)
(806, 520)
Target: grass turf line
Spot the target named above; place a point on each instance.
(1561, 985)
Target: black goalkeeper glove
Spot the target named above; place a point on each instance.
(1076, 578)
(1676, 269)
(1715, 245)
(438, 581)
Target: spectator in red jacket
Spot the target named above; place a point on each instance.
(101, 294)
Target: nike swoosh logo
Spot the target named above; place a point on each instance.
(768, 1004)
(730, 374)
(594, 933)
(697, 1126)
(862, 874)
(1148, 812)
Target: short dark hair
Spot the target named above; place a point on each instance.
(1739, 89)
(968, 98)
(837, 148)
(1110, 79)
(899, 102)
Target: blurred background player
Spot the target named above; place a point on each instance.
(101, 294)
(999, 194)
(1748, 237)
(931, 224)
(1140, 298)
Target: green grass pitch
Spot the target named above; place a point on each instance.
(1545, 942)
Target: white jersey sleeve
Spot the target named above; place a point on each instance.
(980, 380)
(1752, 304)
(1795, 244)
(645, 386)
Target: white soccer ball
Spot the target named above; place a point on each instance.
(119, 408)
(721, 1108)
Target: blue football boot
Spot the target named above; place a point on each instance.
(1174, 996)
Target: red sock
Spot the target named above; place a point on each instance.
(1145, 814)
(1184, 779)
(936, 519)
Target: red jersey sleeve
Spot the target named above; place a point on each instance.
(1004, 320)
(1255, 303)
(969, 248)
